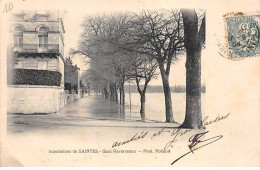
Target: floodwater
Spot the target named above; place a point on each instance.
(96, 108)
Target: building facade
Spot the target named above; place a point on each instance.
(38, 40)
(37, 43)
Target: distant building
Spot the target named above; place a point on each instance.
(37, 45)
(72, 78)
(81, 62)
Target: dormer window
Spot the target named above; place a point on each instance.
(19, 16)
(41, 16)
(18, 36)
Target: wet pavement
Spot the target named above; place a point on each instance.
(91, 111)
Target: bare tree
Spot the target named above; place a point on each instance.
(144, 70)
(194, 41)
(115, 39)
(99, 37)
(161, 35)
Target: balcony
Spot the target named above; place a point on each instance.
(36, 48)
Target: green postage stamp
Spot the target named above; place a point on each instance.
(243, 36)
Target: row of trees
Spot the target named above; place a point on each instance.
(132, 46)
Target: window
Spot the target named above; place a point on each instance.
(18, 36)
(43, 37)
(43, 41)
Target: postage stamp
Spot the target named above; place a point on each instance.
(243, 36)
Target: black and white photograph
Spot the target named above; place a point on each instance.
(119, 83)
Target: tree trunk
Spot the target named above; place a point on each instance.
(122, 112)
(142, 97)
(115, 94)
(88, 90)
(193, 117)
(111, 92)
(167, 94)
(142, 110)
(122, 93)
(106, 93)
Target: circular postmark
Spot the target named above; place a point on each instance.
(243, 36)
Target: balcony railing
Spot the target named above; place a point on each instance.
(37, 48)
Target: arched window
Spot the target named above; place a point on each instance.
(18, 36)
(43, 36)
(43, 29)
(18, 29)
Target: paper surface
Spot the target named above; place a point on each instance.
(231, 102)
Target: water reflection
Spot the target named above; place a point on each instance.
(122, 112)
(97, 107)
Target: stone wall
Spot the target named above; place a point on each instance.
(28, 99)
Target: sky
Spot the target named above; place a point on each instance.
(72, 24)
(75, 15)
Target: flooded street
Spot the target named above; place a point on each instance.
(95, 111)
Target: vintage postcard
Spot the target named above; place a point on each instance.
(116, 83)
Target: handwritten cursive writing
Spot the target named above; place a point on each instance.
(195, 140)
(218, 118)
(135, 137)
(175, 133)
(160, 132)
